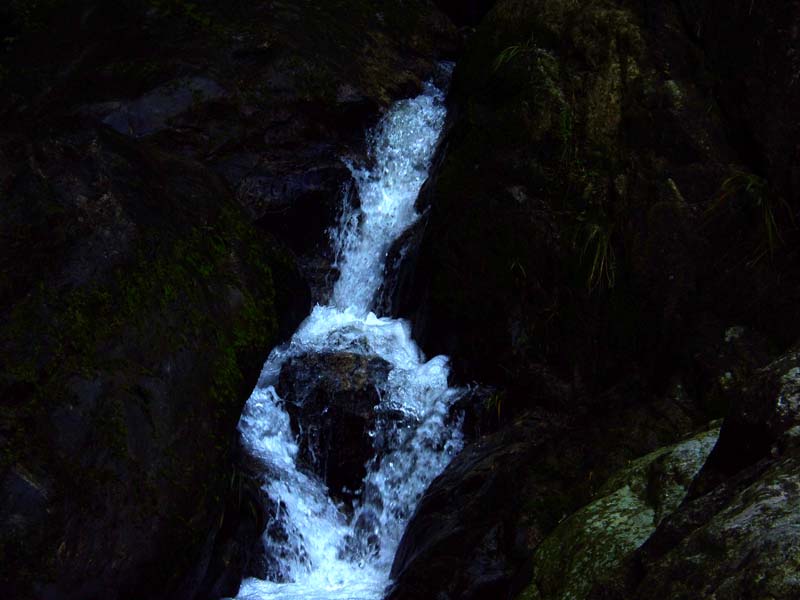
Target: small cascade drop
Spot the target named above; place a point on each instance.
(318, 548)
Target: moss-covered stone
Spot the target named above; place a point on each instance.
(736, 534)
(595, 540)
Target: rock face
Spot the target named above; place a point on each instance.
(167, 169)
(478, 525)
(587, 191)
(630, 505)
(331, 401)
(575, 253)
(736, 536)
(129, 339)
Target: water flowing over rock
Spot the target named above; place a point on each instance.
(372, 416)
(479, 524)
(331, 399)
(602, 233)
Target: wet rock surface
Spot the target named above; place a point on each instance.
(331, 400)
(477, 527)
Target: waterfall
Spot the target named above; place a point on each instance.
(321, 551)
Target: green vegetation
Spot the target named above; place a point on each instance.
(511, 52)
(594, 238)
(495, 403)
(756, 195)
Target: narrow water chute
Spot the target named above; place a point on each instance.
(317, 551)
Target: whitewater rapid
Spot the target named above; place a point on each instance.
(314, 561)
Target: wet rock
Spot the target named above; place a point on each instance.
(478, 412)
(365, 541)
(331, 399)
(237, 550)
(399, 268)
(459, 519)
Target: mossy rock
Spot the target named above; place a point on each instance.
(595, 540)
(129, 342)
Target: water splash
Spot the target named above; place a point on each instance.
(319, 552)
(400, 147)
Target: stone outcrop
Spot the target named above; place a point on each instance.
(480, 523)
(594, 540)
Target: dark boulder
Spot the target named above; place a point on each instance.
(138, 306)
(580, 212)
(331, 400)
(765, 408)
(238, 550)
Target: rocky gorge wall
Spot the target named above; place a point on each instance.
(608, 245)
(167, 174)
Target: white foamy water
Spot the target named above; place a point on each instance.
(318, 552)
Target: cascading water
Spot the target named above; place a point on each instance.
(319, 552)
